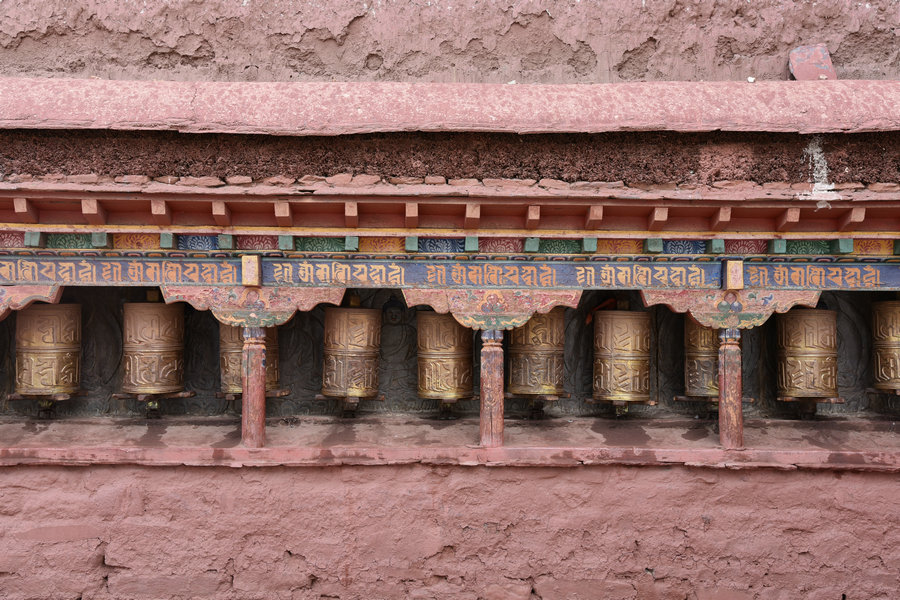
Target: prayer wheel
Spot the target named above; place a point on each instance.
(886, 334)
(231, 346)
(352, 342)
(48, 349)
(153, 348)
(622, 356)
(444, 356)
(701, 360)
(536, 355)
(807, 354)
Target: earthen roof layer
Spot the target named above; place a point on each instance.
(328, 109)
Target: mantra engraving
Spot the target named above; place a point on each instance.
(153, 348)
(701, 360)
(886, 344)
(536, 355)
(807, 354)
(621, 356)
(822, 277)
(231, 346)
(48, 349)
(352, 343)
(444, 357)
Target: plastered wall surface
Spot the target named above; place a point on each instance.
(440, 532)
(443, 40)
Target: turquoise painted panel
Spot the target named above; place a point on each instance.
(552, 246)
(808, 247)
(69, 240)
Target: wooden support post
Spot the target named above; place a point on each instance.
(731, 411)
(492, 388)
(253, 388)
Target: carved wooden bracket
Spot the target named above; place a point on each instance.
(17, 297)
(251, 306)
(492, 309)
(723, 309)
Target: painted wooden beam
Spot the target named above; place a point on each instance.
(854, 217)
(160, 212)
(412, 216)
(657, 219)
(351, 214)
(594, 217)
(25, 210)
(221, 213)
(93, 211)
(787, 219)
(283, 217)
(473, 216)
(721, 219)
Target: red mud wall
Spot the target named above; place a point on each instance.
(447, 532)
(442, 40)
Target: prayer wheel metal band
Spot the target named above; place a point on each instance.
(807, 354)
(154, 348)
(886, 342)
(701, 359)
(231, 346)
(352, 342)
(621, 356)
(48, 349)
(536, 351)
(444, 357)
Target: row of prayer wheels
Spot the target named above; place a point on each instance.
(48, 354)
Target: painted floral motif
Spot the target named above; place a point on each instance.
(746, 246)
(554, 246)
(198, 242)
(807, 247)
(382, 244)
(12, 239)
(623, 246)
(442, 245)
(69, 240)
(319, 244)
(874, 247)
(501, 245)
(136, 241)
(684, 246)
(256, 242)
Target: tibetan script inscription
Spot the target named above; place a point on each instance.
(812, 276)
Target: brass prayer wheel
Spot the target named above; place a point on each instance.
(536, 355)
(807, 354)
(153, 348)
(444, 356)
(352, 342)
(48, 349)
(621, 356)
(701, 359)
(231, 346)
(886, 334)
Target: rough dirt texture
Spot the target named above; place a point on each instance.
(633, 158)
(442, 532)
(586, 42)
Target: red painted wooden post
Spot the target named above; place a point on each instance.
(492, 388)
(253, 382)
(731, 411)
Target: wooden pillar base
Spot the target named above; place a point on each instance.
(731, 411)
(492, 388)
(253, 384)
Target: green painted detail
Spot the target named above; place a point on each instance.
(653, 245)
(551, 246)
(807, 247)
(285, 242)
(532, 244)
(351, 243)
(69, 240)
(35, 239)
(471, 243)
(100, 239)
(319, 244)
(589, 245)
(412, 243)
(777, 246)
(716, 246)
(167, 240)
(226, 241)
(842, 246)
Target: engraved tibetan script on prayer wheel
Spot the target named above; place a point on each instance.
(807, 354)
(352, 341)
(886, 342)
(154, 348)
(701, 359)
(621, 356)
(231, 346)
(445, 357)
(48, 349)
(536, 355)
